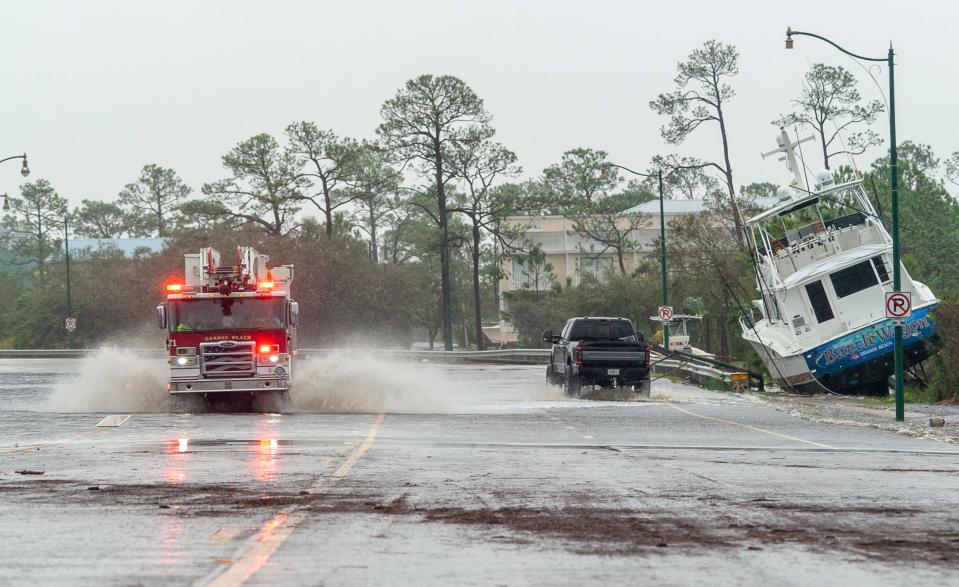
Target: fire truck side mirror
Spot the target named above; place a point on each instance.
(161, 316)
(294, 312)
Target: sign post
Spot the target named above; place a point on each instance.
(898, 308)
(666, 316)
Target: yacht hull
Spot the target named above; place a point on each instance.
(857, 363)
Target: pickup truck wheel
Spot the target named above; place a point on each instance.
(550, 375)
(642, 389)
(572, 382)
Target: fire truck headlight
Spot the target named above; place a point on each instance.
(274, 358)
(185, 361)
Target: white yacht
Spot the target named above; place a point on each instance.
(823, 263)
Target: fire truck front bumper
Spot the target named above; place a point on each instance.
(247, 385)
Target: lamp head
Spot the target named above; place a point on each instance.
(789, 37)
(25, 169)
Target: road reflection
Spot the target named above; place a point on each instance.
(174, 466)
(265, 450)
(170, 551)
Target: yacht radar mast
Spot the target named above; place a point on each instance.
(786, 147)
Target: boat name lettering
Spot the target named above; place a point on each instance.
(868, 343)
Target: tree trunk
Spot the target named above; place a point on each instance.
(444, 249)
(825, 149)
(477, 310)
(160, 220)
(723, 330)
(328, 210)
(374, 246)
(40, 260)
(622, 264)
(432, 334)
(728, 171)
(496, 278)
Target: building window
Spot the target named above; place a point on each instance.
(881, 270)
(526, 272)
(853, 279)
(819, 301)
(597, 267)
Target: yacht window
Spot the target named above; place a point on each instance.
(819, 301)
(853, 279)
(881, 270)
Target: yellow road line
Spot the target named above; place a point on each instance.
(278, 528)
(755, 428)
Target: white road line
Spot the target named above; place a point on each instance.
(748, 427)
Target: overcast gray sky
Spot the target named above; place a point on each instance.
(94, 90)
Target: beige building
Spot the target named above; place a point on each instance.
(572, 256)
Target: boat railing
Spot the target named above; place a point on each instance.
(819, 242)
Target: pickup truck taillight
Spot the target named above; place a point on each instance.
(579, 355)
(647, 355)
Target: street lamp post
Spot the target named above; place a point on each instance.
(662, 241)
(894, 184)
(66, 242)
(24, 169)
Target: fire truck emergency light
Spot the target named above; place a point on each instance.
(174, 287)
(265, 285)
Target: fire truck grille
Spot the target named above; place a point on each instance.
(227, 358)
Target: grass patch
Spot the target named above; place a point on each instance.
(713, 384)
(913, 395)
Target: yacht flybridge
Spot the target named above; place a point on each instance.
(823, 262)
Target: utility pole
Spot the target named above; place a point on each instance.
(662, 241)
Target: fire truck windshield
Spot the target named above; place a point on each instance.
(228, 314)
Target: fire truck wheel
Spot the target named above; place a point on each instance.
(182, 403)
(271, 401)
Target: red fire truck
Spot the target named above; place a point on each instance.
(231, 328)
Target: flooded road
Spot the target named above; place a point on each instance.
(418, 473)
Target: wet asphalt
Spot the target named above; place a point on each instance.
(489, 477)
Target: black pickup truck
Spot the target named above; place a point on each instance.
(600, 352)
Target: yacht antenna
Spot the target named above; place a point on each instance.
(789, 156)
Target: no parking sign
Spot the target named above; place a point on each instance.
(898, 304)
